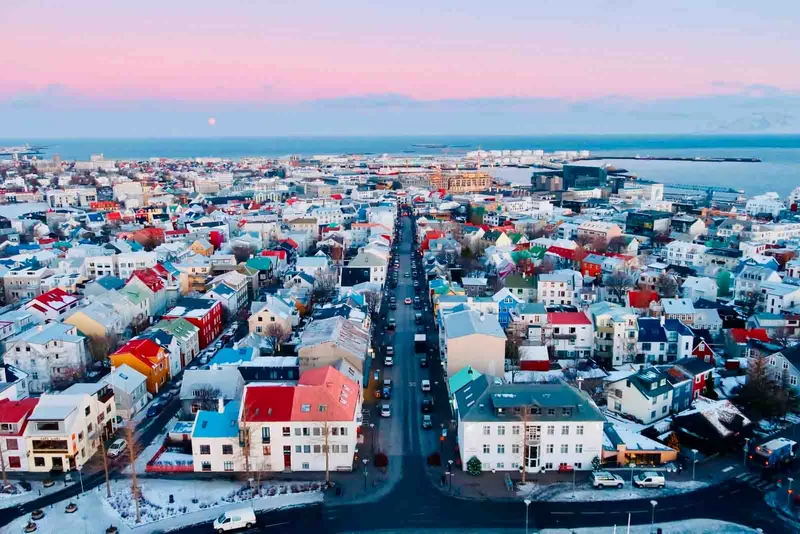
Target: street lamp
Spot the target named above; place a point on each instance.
(746, 441)
(789, 492)
(450, 462)
(694, 462)
(527, 505)
(372, 431)
(365, 473)
(653, 517)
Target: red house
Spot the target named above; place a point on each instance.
(534, 358)
(703, 351)
(205, 314)
(698, 370)
(592, 265)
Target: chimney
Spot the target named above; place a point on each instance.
(220, 405)
(661, 319)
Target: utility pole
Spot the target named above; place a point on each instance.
(3, 466)
(132, 453)
(524, 433)
(105, 466)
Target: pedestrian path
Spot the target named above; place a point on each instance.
(755, 481)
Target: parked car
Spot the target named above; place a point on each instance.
(388, 361)
(392, 305)
(426, 422)
(427, 404)
(392, 323)
(116, 448)
(155, 408)
(386, 393)
(649, 479)
(386, 410)
(407, 301)
(423, 362)
(604, 479)
(426, 385)
(406, 275)
(235, 519)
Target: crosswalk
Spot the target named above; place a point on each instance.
(754, 480)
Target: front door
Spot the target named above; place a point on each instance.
(532, 456)
(58, 463)
(287, 457)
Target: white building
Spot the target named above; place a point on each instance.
(559, 287)
(539, 426)
(377, 266)
(130, 390)
(646, 396)
(768, 203)
(65, 429)
(684, 254)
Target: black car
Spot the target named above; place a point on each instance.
(423, 362)
(392, 305)
(427, 404)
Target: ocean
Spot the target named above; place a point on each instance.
(779, 170)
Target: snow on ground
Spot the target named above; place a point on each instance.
(154, 504)
(689, 526)
(37, 490)
(620, 422)
(94, 511)
(562, 492)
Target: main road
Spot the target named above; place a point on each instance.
(415, 504)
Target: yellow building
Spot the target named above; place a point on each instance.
(202, 247)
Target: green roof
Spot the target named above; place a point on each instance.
(133, 294)
(260, 263)
(179, 327)
(462, 378)
(517, 280)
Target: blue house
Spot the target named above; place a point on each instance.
(506, 302)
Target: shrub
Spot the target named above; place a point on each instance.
(474, 466)
(381, 460)
(435, 459)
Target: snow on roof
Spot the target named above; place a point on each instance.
(718, 413)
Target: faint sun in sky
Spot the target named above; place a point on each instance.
(212, 121)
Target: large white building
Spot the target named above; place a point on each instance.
(559, 287)
(768, 203)
(539, 426)
(280, 427)
(684, 254)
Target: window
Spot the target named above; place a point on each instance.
(298, 449)
(317, 431)
(343, 431)
(335, 431)
(206, 466)
(551, 430)
(487, 430)
(548, 465)
(486, 449)
(501, 430)
(579, 448)
(549, 448)
(287, 432)
(38, 461)
(205, 449)
(265, 434)
(88, 410)
(297, 431)
(564, 449)
(14, 462)
(227, 449)
(335, 449)
(579, 430)
(564, 430)
(317, 449)
(12, 445)
(228, 466)
(306, 431)
(501, 449)
(305, 408)
(653, 414)
(305, 465)
(515, 449)
(344, 449)
(577, 465)
(267, 450)
(664, 409)
(515, 430)
(307, 449)
(793, 380)
(785, 365)
(618, 406)
(551, 411)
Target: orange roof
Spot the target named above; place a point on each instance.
(142, 348)
(325, 385)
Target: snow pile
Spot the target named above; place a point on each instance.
(689, 526)
(584, 492)
(155, 494)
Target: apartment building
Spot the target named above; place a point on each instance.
(24, 282)
(13, 419)
(559, 288)
(64, 430)
(645, 396)
(616, 333)
(536, 427)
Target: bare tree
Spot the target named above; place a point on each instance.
(277, 333)
(617, 244)
(205, 398)
(373, 301)
(618, 283)
(599, 244)
(324, 288)
(66, 376)
(546, 266)
(583, 239)
(748, 302)
(666, 286)
(101, 346)
(242, 252)
(785, 337)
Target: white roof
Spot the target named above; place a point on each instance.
(125, 378)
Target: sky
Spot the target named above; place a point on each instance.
(147, 68)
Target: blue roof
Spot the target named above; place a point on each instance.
(222, 289)
(675, 325)
(212, 424)
(111, 282)
(651, 331)
(233, 356)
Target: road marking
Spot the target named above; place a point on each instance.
(729, 468)
(592, 513)
(742, 475)
(636, 512)
(735, 491)
(276, 524)
(561, 513)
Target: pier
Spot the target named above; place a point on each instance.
(674, 158)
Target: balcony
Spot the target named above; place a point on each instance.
(106, 395)
(570, 337)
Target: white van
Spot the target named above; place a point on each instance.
(649, 479)
(235, 519)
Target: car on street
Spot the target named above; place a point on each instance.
(423, 362)
(390, 351)
(407, 301)
(155, 408)
(416, 284)
(418, 318)
(218, 345)
(388, 361)
(116, 448)
(649, 479)
(391, 323)
(406, 275)
(235, 519)
(386, 393)
(426, 385)
(376, 374)
(426, 422)
(604, 479)
(386, 410)
(427, 404)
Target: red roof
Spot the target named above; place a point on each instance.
(567, 318)
(279, 253)
(743, 335)
(149, 278)
(15, 411)
(561, 251)
(266, 403)
(336, 196)
(325, 385)
(182, 231)
(55, 299)
(291, 242)
(144, 348)
(641, 298)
